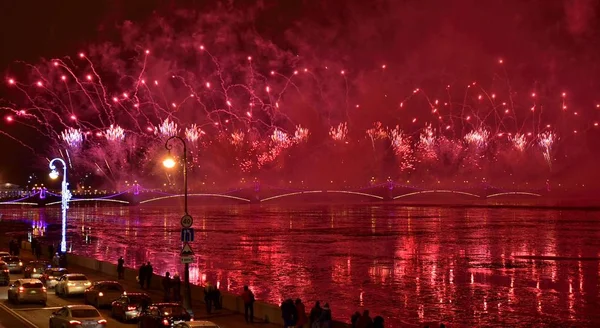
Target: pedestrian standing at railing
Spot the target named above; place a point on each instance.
(166, 284)
(176, 284)
(248, 298)
(142, 275)
(121, 268)
(149, 273)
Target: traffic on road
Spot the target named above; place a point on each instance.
(38, 295)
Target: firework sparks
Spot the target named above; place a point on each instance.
(114, 133)
(402, 148)
(73, 137)
(427, 143)
(478, 138)
(301, 134)
(193, 133)
(546, 140)
(519, 141)
(339, 133)
(166, 129)
(237, 138)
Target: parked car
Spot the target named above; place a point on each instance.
(14, 263)
(163, 315)
(103, 293)
(72, 283)
(77, 316)
(4, 274)
(27, 290)
(196, 324)
(129, 306)
(51, 276)
(35, 269)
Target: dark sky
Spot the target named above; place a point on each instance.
(554, 39)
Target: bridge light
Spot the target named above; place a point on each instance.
(169, 162)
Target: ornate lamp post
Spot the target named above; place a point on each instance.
(65, 198)
(169, 162)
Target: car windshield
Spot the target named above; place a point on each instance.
(10, 259)
(84, 313)
(77, 278)
(172, 310)
(58, 273)
(137, 299)
(33, 285)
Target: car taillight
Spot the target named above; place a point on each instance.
(102, 321)
(166, 322)
(131, 308)
(74, 322)
(21, 289)
(44, 288)
(5, 270)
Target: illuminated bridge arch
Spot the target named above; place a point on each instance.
(193, 195)
(512, 193)
(297, 193)
(438, 192)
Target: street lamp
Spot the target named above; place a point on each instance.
(65, 198)
(169, 162)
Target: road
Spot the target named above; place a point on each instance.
(34, 315)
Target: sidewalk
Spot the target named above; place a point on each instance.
(224, 318)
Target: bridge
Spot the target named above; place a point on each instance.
(385, 192)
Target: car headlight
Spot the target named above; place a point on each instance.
(70, 284)
(87, 283)
(20, 263)
(100, 294)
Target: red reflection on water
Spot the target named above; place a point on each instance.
(469, 267)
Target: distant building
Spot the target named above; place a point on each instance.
(8, 190)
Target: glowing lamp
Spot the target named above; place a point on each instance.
(169, 162)
(53, 175)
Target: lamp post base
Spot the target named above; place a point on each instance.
(187, 291)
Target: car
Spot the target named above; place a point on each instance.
(35, 269)
(4, 274)
(129, 306)
(51, 276)
(3, 254)
(103, 293)
(27, 290)
(72, 283)
(163, 315)
(14, 263)
(78, 316)
(196, 324)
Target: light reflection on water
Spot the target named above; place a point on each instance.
(456, 265)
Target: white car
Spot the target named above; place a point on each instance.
(77, 316)
(72, 283)
(196, 324)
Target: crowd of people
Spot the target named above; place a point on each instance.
(364, 320)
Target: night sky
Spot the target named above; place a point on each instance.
(553, 41)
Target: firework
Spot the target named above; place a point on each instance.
(237, 138)
(193, 133)
(478, 138)
(519, 141)
(166, 128)
(546, 141)
(427, 143)
(339, 133)
(73, 137)
(114, 133)
(301, 134)
(401, 145)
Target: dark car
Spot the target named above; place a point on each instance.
(35, 269)
(163, 315)
(129, 306)
(103, 293)
(4, 274)
(14, 263)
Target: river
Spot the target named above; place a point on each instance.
(465, 266)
